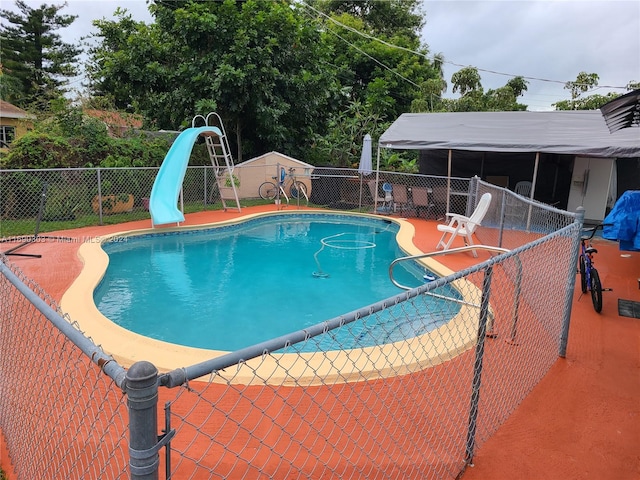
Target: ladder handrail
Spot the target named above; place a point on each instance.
(220, 150)
(193, 121)
(220, 124)
(224, 142)
(438, 253)
(518, 281)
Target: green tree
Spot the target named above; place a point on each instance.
(342, 141)
(583, 83)
(432, 89)
(473, 98)
(35, 60)
(590, 102)
(431, 92)
(378, 54)
(466, 81)
(518, 85)
(384, 17)
(505, 98)
(66, 137)
(10, 87)
(260, 64)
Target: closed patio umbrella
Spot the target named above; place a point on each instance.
(365, 167)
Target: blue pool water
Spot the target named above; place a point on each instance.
(230, 287)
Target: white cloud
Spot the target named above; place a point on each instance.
(550, 40)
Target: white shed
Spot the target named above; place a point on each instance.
(252, 173)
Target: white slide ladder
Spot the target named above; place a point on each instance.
(222, 162)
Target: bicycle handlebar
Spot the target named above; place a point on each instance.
(592, 230)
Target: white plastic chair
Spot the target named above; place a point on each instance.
(463, 226)
(516, 209)
(523, 189)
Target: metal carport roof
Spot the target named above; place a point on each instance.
(581, 132)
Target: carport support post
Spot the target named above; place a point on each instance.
(375, 200)
(477, 366)
(141, 386)
(449, 158)
(533, 187)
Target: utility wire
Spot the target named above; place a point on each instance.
(362, 51)
(370, 37)
(375, 60)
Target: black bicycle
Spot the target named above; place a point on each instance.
(589, 277)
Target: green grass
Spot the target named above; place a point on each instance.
(26, 226)
(23, 227)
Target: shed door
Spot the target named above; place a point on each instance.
(590, 186)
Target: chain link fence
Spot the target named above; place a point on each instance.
(411, 386)
(39, 201)
(61, 416)
(418, 406)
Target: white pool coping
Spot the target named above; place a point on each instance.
(339, 366)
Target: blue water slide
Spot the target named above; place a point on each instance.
(163, 203)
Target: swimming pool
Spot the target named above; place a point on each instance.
(229, 287)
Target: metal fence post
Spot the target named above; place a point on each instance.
(205, 186)
(503, 212)
(568, 301)
(99, 197)
(141, 386)
(477, 366)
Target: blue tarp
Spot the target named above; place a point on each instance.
(623, 221)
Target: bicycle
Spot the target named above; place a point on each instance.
(287, 182)
(589, 277)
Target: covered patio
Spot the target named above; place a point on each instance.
(540, 147)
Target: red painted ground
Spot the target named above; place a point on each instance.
(582, 421)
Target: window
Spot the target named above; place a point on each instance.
(7, 134)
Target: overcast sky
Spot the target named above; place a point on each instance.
(550, 40)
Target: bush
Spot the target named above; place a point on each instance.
(70, 139)
(137, 151)
(62, 204)
(20, 195)
(41, 150)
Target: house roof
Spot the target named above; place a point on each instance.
(256, 159)
(116, 119)
(7, 110)
(582, 132)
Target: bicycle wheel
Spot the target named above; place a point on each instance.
(268, 190)
(596, 290)
(583, 275)
(298, 189)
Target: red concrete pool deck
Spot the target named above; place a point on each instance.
(582, 421)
